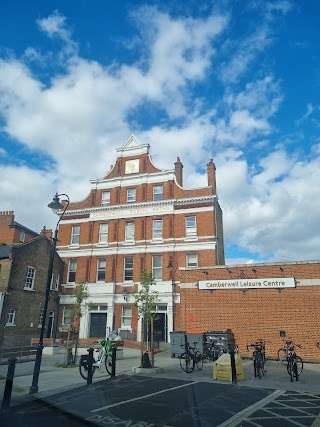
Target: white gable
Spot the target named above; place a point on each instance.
(132, 147)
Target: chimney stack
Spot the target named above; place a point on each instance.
(178, 168)
(211, 168)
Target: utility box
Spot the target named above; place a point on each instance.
(195, 339)
(177, 341)
(222, 368)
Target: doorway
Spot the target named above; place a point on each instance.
(50, 324)
(98, 325)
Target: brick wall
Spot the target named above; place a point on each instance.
(256, 313)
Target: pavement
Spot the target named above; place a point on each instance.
(56, 381)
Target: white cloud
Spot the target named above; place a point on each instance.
(80, 117)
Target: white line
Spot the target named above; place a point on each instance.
(142, 397)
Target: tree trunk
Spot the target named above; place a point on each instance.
(142, 340)
(151, 344)
(67, 347)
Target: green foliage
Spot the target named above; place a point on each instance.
(146, 298)
(64, 365)
(80, 295)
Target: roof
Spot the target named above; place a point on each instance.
(16, 224)
(4, 252)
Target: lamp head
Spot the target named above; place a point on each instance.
(169, 266)
(55, 205)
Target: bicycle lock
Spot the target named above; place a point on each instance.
(90, 363)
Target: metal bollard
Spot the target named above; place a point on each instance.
(90, 361)
(233, 366)
(9, 383)
(114, 358)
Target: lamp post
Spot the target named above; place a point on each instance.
(56, 206)
(173, 270)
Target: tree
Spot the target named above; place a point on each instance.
(146, 300)
(80, 295)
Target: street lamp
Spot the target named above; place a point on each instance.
(173, 270)
(56, 206)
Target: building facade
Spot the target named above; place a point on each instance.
(23, 279)
(137, 217)
(269, 301)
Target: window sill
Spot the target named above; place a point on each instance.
(129, 242)
(29, 289)
(10, 324)
(157, 240)
(75, 246)
(188, 238)
(102, 244)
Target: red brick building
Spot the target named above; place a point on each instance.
(137, 217)
(268, 301)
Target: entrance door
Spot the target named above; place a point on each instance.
(50, 324)
(98, 325)
(160, 327)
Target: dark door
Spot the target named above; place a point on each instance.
(50, 325)
(98, 325)
(159, 328)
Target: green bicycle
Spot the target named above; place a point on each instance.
(104, 359)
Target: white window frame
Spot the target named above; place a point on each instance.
(11, 316)
(69, 316)
(51, 283)
(29, 278)
(157, 229)
(192, 260)
(158, 192)
(126, 268)
(75, 235)
(131, 195)
(129, 231)
(22, 236)
(103, 233)
(156, 269)
(191, 229)
(105, 198)
(126, 315)
(57, 281)
(73, 271)
(41, 315)
(99, 269)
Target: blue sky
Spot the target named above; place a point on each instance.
(236, 81)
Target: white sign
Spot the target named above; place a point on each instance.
(134, 211)
(268, 283)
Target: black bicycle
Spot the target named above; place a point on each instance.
(283, 352)
(213, 349)
(258, 358)
(191, 358)
(294, 362)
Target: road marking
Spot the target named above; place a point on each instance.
(233, 421)
(142, 397)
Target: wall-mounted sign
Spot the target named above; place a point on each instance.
(132, 211)
(267, 283)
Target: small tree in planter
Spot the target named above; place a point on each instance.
(80, 295)
(146, 300)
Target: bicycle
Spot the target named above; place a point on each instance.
(258, 358)
(283, 352)
(294, 362)
(190, 358)
(105, 355)
(214, 349)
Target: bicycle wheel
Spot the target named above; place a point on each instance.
(108, 362)
(186, 362)
(282, 356)
(83, 367)
(290, 368)
(198, 360)
(299, 363)
(258, 363)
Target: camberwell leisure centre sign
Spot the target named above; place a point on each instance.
(268, 283)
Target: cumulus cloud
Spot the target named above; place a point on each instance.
(79, 117)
